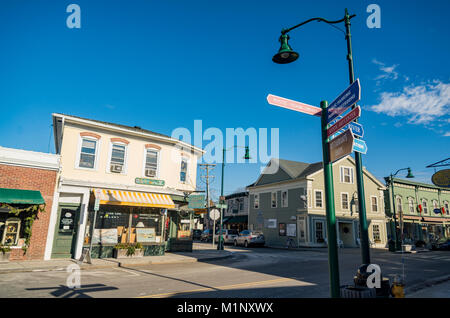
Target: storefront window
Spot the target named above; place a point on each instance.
(12, 228)
(112, 225)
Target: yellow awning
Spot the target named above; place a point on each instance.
(131, 198)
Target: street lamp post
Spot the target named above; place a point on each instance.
(287, 55)
(394, 232)
(246, 156)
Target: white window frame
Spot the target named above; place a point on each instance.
(321, 199)
(342, 175)
(125, 157)
(376, 203)
(158, 151)
(78, 155)
(276, 199)
(348, 202)
(287, 198)
(315, 230)
(435, 204)
(424, 206)
(256, 201)
(401, 204)
(447, 209)
(187, 170)
(379, 232)
(411, 205)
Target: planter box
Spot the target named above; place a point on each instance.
(4, 258)
(122, 253)
(407, 247)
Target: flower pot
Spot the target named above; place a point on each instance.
(122, 253)
(4, 257)
(407, 247)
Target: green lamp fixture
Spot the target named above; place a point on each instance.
(247, 153)
(410, 175)
(285, 53)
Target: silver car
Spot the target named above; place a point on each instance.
(248, 238)
(228, 236)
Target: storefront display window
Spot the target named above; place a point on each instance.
(123, 224)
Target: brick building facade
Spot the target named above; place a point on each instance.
(27, 170)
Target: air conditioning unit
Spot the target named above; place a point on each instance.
(150, 173)
(116, 168)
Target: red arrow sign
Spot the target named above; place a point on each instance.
(293, 105)
(351, 116)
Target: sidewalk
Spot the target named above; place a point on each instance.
(437, 289)
(199, 254)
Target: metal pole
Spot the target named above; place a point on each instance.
(220, 245)
(92, 235)
(394, 214)
(333, 262)
(365, 251)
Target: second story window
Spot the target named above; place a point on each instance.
(344, 201)
(374, 201)
(346, 175)
(183, 171)
(411, 205)
(87, 153)
(399, 205)
(274, 199)
(424, 206)
(256, 201)
(446, 207)
(117, 158)
(151, 163)
(318, 195)
(284, 199)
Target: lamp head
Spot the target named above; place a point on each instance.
(247, 153)
(285, 53)
(409, 175)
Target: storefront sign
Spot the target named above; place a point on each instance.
(441, 178)
(146, 234)
(147, 181)
(196, 201)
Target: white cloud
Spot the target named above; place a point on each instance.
(388, 71)
(422, 103)
(447, 134)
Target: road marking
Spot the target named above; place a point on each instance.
(273, 281)
(124, 270)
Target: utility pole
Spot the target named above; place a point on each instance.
(207, 167)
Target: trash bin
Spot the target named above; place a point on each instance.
(357, 292)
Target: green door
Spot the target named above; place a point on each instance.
(66, 232)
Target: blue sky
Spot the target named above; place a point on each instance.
(163, 64)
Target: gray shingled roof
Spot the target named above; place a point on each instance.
(299, 169)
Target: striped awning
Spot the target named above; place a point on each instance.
(131, 198)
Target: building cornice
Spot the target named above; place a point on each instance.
(29, 159)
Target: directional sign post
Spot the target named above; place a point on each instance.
(344, 101)
(360, 146)
(341, 146)
(351, 116)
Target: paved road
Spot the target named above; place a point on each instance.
(252, 272)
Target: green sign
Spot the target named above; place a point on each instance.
(196, 201)
(221, 206)
(149, 181)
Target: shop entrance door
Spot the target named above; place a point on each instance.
(66, 232)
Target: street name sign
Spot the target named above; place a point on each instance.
(351, 116)
(293, 105)
(341, 146)
(98, 193)
(346, 99)
(221, 205)
(357, 130)
(359, 145)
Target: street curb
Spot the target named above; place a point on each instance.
(85, 266)
(426, 284)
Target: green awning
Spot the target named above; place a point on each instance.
(237, 219)
(17, 196)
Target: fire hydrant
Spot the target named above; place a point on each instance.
(398, 288)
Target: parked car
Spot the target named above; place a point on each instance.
(207, 235)
(196, 234)
(444, 246)
(248, 238)
(228, 236)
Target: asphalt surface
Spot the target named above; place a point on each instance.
(251, 272)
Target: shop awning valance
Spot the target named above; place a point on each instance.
(131, 198)
(18, 196)
(237, 219)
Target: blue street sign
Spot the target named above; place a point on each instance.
(359, 145)
(345, 100)
(357, 129)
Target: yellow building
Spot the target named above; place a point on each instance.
(139, 177)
